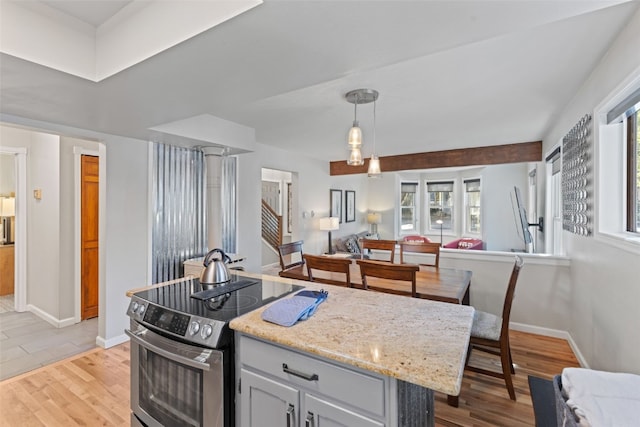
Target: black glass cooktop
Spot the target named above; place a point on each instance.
(221, 303)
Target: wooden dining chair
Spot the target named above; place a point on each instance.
(291, 254)
(383, 245)
(327, 263)
(423, 248)
(490, 334)
(386, 270)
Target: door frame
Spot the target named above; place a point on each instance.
(20, 247)
(78, 152)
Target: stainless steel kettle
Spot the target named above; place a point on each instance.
(215, 271)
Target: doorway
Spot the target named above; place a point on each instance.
(279, 194)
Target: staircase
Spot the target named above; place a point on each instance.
(271, 226)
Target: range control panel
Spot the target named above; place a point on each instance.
(195, 329)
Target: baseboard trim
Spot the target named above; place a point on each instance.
(54, 321)
(553, 333)
(107, 343)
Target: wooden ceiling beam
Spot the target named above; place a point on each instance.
(476, 156)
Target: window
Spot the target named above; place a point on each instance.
(472, 206)
(618, 166)
(625, 114)
(440, 199)
(553, 222)
(633, 173)
(408, 214)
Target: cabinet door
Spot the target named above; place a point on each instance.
(320, 413)
(267, 403)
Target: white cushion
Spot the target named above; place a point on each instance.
(601, 398)
(486, 325)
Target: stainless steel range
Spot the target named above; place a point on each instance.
(182, 361)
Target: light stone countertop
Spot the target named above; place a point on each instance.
(414, 340)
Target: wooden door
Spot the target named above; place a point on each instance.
(89, 237)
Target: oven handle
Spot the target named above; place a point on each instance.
(138, 337)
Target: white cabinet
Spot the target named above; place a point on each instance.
(282, 387)
(324, 413)
(266, 402)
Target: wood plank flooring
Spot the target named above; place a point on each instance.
(484, 400)
(89, 389)
(93, 389)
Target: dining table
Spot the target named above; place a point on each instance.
(434, 283)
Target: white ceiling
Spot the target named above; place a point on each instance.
(93, 12)
(450, 74)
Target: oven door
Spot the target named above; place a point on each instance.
(174, 383)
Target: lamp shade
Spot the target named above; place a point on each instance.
(329, 223)
(374, 167)
(374, 218)
(355, 136)
(355, 157)
(8, 207)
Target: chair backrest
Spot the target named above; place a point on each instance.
(385, 245)
(511, 292)
(327, 263)
(423, 248)
(416, 238)
(385, 270)
(291, 254)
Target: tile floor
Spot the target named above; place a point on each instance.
(6, 303)
(28, 342)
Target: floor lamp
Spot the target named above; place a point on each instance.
(440, 223)
(329, 224)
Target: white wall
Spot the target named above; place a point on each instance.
(43, 236)
(499, 227)
(7, 174)
(126, 248)
(606, 289)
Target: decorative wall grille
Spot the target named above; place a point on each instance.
(577, 179)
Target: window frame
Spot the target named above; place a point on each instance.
(632, 174)
(610, 191)
(416, 208)
(467, 219)
(432, 227)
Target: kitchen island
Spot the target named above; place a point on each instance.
(364, 358)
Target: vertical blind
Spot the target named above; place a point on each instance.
(179, 209)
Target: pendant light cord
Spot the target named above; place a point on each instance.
(374, 127)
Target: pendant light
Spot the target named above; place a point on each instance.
(374, 163)
(354, 139)
(355, 133)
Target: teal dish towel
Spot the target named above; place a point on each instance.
(286, 312)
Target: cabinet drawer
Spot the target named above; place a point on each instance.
(358, 389)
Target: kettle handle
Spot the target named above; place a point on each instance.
(223, 257)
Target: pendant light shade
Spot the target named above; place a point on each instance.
(355, 157)
(355, 135)
(374, 164)
(374, 167)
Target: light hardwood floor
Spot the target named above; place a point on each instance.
(93, 389)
